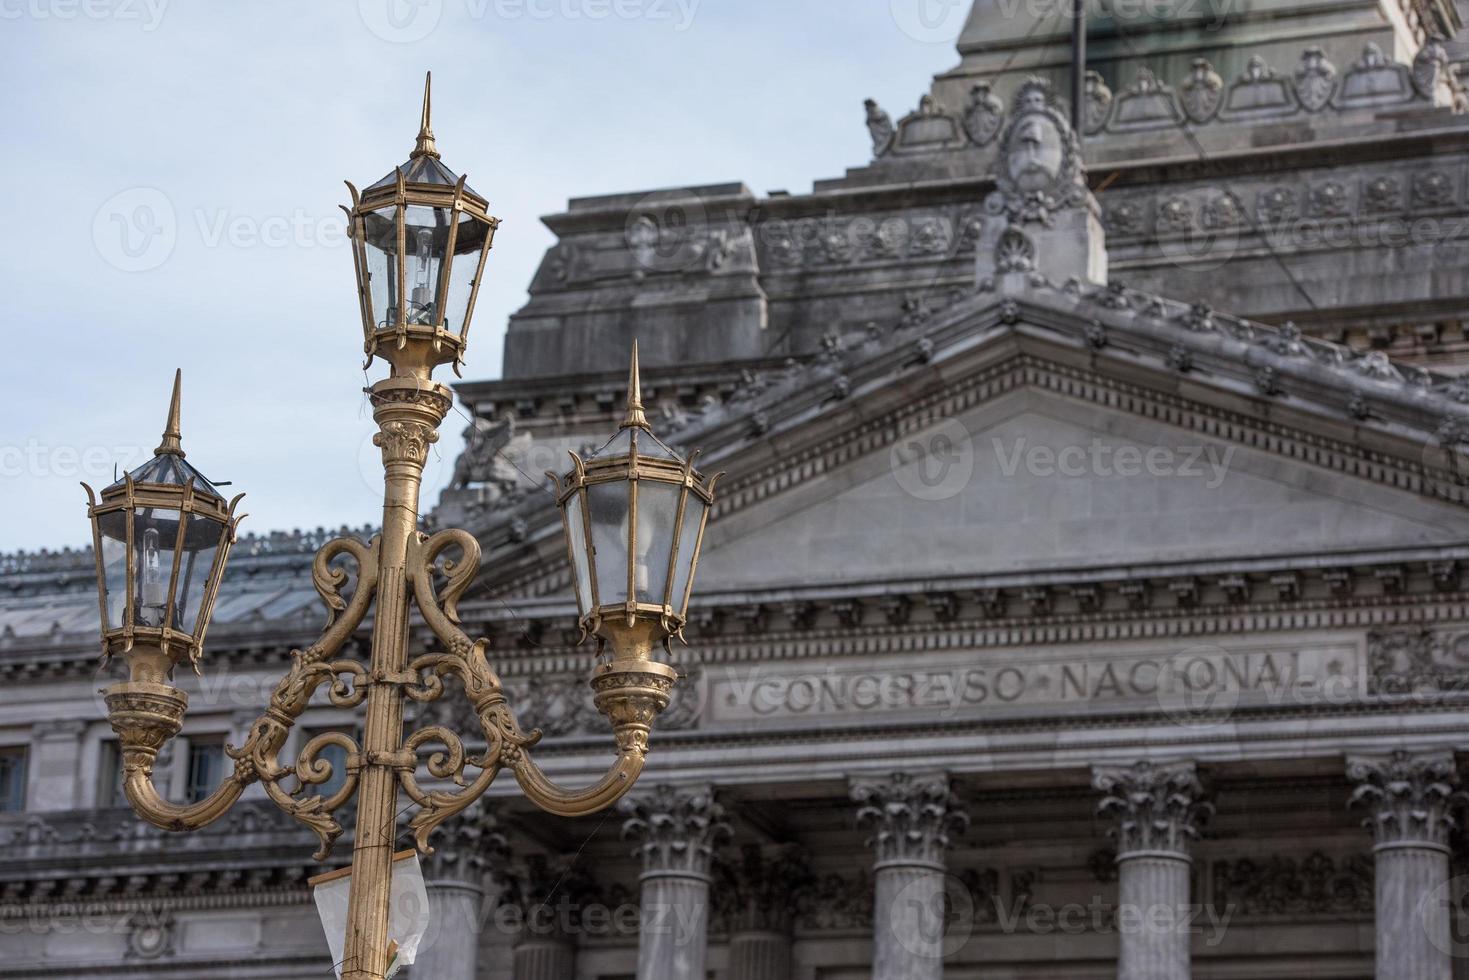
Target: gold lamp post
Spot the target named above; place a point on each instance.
(634, 513)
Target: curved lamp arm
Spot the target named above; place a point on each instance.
(146, 714)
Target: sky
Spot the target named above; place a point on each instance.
(173, 174)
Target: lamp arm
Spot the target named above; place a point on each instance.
(552, 798)
(152, 807)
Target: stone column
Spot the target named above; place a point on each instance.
(912, 818)
(755, 898)
(676, 831)
(1410, 801)
(468, 850)
(553, 894)
(1158, 810)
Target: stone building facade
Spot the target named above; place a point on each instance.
(1085, 596)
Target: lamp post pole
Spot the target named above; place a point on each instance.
(634, 515)
(408, 421)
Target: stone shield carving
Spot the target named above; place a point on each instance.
(1039, 168)
(1315, 79)
(984, 115)
(1202, 94)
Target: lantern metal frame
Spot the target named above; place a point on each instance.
(128, 496)
(417, 347)
(612, 621)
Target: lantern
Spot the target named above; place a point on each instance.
(634, 513)
(420, 238)
(161, 536)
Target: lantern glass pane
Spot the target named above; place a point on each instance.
(657, 510)
(380, 241)
(426, 242)
(576, 532)
(688, 539)
(114, 528)
(155, 534)
(468, 244)
(610, 506)
(202, 537)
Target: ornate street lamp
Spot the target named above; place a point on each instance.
(420, 238)
(162, 535)
(634, 514)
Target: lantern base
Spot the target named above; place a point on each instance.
(633, 689)
(145, 715)
(632, 693)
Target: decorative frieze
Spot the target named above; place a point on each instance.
(1157, 807)
(1287, 886)
(760, 889)
(835, 902)
(1411, 799)
(1202, 98)
(913, 817)
(1401, 661)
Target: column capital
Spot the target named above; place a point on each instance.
(469, 847)
(1158, 807)
(913, 816)
(1411, 797)
(675, 828)
(758, 891)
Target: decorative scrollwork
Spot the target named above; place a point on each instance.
(329, 580)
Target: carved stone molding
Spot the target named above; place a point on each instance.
(559, 898)
(760, 889)
(152, 934)
(1158, 807)
(913, 817)
(676, 830)
(1282, 885)
(1411, 798)
(834, 902)
(1401, 661)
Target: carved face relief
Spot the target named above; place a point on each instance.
(1036, 153)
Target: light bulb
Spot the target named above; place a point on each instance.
(649, 532)
(154, 586)
(422, 290)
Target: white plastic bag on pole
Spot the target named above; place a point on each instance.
(407, 915)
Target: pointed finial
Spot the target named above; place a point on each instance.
(171, 434)
(425, 146)
(636, 418)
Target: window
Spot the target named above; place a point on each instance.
(12, 780)
(206, 766)
(109, 784)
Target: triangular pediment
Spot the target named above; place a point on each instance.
(1032, 481)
